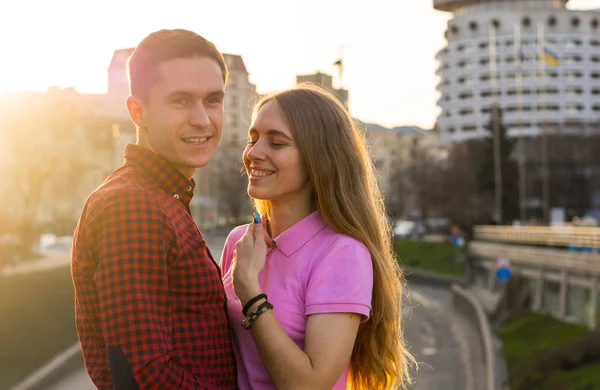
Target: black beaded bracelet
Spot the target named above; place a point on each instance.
(252, 302)
(248, 321)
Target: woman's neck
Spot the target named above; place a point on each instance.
(285, 214)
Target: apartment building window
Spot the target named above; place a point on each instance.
(466, 112)
(573, 58)
(572, 42)
(469, 128)
(574, 91)
(573, 75)
(548, 91)
(483, 45)
(464, 63)
(473, 26)
(596, 107)
(526, 21)
(595, 42)
(596, 75)
(465, 95)
(596, 91)
(468, 80)
(594, 24)
(487, 77)
(548, 107)
(595, 59)
(516, 108)
(489, 93)
(575, 22)
(574, 108)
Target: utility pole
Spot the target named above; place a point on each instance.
(496, 127)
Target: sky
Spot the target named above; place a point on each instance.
(388, 47)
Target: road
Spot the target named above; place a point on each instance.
(438, 338)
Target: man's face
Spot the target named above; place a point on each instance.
(182, 119)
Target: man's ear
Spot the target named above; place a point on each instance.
(137, 111)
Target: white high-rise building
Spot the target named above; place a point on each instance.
(494, 56)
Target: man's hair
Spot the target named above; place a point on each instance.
(162, 46)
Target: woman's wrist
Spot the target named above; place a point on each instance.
(249, 292)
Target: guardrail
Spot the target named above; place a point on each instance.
(571, 276)
(561, 236)
(465, 302)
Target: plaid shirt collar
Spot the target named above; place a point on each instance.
(161, 171)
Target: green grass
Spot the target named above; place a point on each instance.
(37, 321)
(430, 256)
(531, 339)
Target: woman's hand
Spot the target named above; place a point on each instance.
(249, 259)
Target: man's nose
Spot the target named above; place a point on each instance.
(199, 116)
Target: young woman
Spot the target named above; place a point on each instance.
(313, 287)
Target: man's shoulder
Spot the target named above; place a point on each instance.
(121, 191)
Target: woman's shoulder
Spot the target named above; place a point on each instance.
(334, 240)
(236, 233)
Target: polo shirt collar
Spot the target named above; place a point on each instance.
(299, 234)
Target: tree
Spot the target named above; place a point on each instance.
(232, 182)
(48, 167)
(462, 203)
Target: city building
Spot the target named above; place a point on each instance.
(394, 149)
(326, 82)
(535, 58)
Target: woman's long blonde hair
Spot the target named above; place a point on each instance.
(348, 198)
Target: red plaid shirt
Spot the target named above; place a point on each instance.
(150, 305)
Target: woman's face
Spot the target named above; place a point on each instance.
(273, 162)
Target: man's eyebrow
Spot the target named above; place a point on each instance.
(273, 132)
(220, 94)
(214, 94)
(179, 93)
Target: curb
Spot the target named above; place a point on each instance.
(485, 333)
(44, 375)
(432, 278)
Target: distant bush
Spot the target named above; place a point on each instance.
(544, 353)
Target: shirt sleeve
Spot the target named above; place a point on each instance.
(133, 240)
(342, 282)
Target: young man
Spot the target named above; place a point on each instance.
(150, 304)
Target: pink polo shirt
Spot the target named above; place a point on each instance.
(311, 270)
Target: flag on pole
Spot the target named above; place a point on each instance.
(550, 57)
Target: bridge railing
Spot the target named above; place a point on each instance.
(559, 236)
(563, 282)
